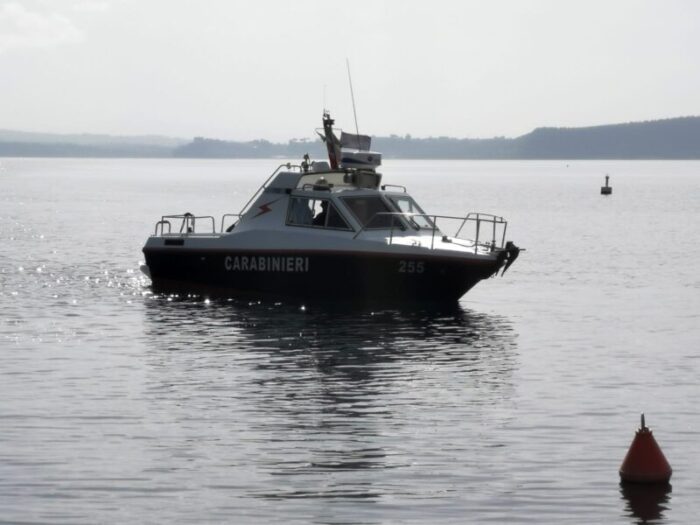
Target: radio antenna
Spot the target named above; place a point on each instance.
(352, 96)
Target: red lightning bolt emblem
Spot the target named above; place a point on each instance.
(264, 208)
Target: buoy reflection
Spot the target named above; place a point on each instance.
(646, 502)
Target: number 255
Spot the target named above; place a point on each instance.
(411, 267)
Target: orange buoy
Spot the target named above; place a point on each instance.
(644, 462)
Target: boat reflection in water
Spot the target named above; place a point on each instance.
(323, 398)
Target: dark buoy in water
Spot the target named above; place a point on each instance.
(644, 462)
(606, 190)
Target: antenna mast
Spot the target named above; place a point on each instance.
(352, 96)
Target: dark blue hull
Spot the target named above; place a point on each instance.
(336, 276)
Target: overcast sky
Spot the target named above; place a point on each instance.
(240, 69)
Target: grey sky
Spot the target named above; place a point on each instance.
(257, 69)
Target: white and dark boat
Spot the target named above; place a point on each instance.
(329, 230)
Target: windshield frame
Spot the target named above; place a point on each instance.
(415, 222)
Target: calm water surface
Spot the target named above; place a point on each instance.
(517, 405)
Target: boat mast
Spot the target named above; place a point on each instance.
(332, 142)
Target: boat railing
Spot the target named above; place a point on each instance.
(287, 165)
(480, 225)
(236, 216)
(162, 224)
(402, 188)
(188, 223)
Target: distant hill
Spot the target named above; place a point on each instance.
(38, 149)
(676, 138)
(90, 139)
(202, 147)
(28, 144)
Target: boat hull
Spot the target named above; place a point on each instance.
(336, 276)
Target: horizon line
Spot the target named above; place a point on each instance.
(391, 135)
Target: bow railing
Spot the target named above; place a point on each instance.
(488, 231)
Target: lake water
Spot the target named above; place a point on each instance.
(517, 405)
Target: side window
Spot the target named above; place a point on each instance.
(335, 220)
(300, 211)
(320, 213)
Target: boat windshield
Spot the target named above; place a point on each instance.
(406, 204)
(365, 210)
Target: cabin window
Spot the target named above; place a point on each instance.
(365, 209)
(406, 204)
(320, 213)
